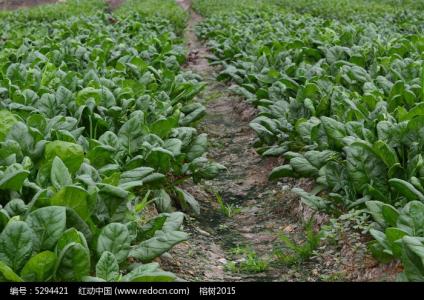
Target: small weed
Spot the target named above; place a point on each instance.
(248, 263)
(229, 210)
(238, 250)
(253, 264)
(232, 267)
(299, 252)
(335, 277)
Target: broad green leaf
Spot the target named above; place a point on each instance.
(73, 197)
(303, 167)
(15, 207)
(163, 126)
(156, 246)
(187, 201)
(163, 201)
(74, 220)
(13, 178)
(48, 224)
(16, 244)
(313, 201)
(107, 267)
(173, 221)
(413, 258)
(160, 159)
(7, 121)
(7, 274)
(385, 153)
(40, 267)
(114, 238)
(198, 147)
(73, 263)
(140, 270)
(193, 116)
(335, 131)
(135, 174)
(281, 171)
(394, 237)
(406, 189)
(59, 174)
(130, 135)
(72, 155)
(71, 235)
(158, 276)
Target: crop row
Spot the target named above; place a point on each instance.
(342, 102)
(96, 123)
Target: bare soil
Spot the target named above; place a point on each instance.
(114, 4)
(265, 209)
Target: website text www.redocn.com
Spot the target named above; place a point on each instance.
(151, 291)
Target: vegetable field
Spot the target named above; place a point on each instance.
(212, 140)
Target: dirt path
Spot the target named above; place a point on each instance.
(113, 4)
(246, 245)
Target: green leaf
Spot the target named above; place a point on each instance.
(186, 200)
(88, 93)
(70, 236)
(364, 167)
(303, 167)
(59, 174)
(193, 116)
(281, 171)
(74, 220)
(72, 155)
(411, 218)
(335, 131)
(40, 268)
(159, 244)
(394, 237)
(198, 147)
(158, 276)
(173, 221)
(48, 224)
(390, 214)
(13, 178)
(73, 263)
(406, 189)
(131, 134)
(73, 197)
(114, 238)
(313, 201)
(107, 267)
(16, 244)
(140, 270)
(7, 121)
(413, 258)
(384, 214)
(15, 207)
(163, 126)
(174, 146)
(160, 159)
(385, 153)
(163, 201)
(8, 274)
(135, 174)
